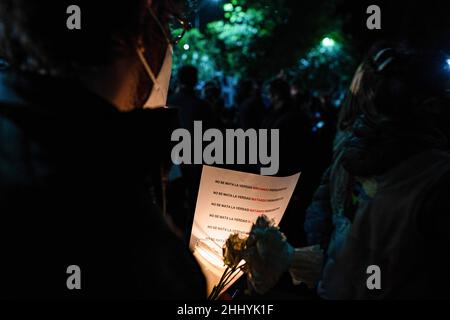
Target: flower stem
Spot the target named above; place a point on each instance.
(235, 275)
(218, 288)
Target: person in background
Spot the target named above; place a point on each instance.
(190, 108)
(296, 155)
(77, 153)
(212, 94)
(186, 100)
(250, 105)
(323, 126)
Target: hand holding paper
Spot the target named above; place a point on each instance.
(230, 202)
(306, 265)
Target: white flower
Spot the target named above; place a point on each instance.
(268, 255)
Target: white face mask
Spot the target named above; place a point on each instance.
(158, 96)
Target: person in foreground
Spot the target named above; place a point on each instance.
(384, 200)
(78, 154)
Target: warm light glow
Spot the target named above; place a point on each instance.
(210, 257)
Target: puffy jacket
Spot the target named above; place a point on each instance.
(386, 188)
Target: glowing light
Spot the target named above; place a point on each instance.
(210, 257)
(448, 63)
(228, 7)
(186, 47)
(328, 42)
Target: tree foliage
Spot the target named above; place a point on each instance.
(258, 38)
(196, 49)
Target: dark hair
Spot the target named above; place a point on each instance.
(244, 90)
(188, 76)
(212, 88)
(396, 83)
(34, 36)
(280, 88)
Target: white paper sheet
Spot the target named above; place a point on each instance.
(230, 202)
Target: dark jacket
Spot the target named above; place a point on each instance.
(75, 189)
(384, 202)
(296, 154)
(191, 108)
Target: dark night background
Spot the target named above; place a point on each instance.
(299, 25)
